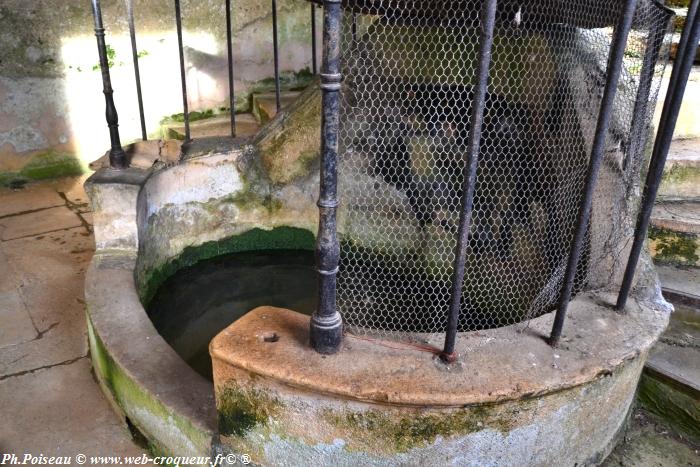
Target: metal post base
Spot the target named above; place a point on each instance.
(326, 333)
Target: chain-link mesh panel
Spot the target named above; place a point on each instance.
(409, 70)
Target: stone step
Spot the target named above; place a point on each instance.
(219, 125)
(670, 386)
(680, 285)
(675, 233)
(681, 180)
(265, 104)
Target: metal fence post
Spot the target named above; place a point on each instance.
(117, 156)
(326, 327)
(669, 117)
(488, 22)
(229, 51)
(137, 73)
(614, 67)
(183, 77)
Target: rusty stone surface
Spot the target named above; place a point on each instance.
(494, 365)
(510, 400)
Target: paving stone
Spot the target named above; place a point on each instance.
(29, 198)
(72, 188)
(36, 223)
(16, 325)
(60, 411)
(50, 257)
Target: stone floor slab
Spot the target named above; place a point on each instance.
(60, 411)
(50, 257)
(30, 198)
(34, 223)
(17, 326)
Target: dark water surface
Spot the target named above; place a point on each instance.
(196, 303)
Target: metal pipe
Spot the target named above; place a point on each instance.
(117, 156)
(488, 21)
(669, 117)
(231, 91)
(682, 46)
(135, 58)
(326, 328)
(183, 79)
(614, 67)
(275, 46)
(314, 64)
(640, 113)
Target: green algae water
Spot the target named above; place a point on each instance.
(198, 302)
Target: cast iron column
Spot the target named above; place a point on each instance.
(326, 324)
(117, 156)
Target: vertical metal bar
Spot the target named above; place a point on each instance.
(682, 46)
(640, 114)
(314, 61)
(183, 78)
(229, 43)
(488, 21)
(326, 328)
(669, 117)
(275, 45)
(117, 156)
(613, 70)
(135, 58)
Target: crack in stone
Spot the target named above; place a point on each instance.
(30, 211)
(45, 367)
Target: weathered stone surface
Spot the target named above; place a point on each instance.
(675, 233)
(47, 392)
(649, 442)
(384, 404)
(31, 198)
(246, 125)
(164, 398)
(50, 272)
(681, 281)
(33, 223)
(17, 325)
(58, 411)
(681, 180)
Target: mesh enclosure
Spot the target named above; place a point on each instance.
(409, 70)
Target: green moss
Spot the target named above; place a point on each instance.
(135, 401)
(678, 408)
(279, 238)
(240, 410)
(403, 433)
(681, 174)
(248, 199)
(49, 164)
(674, 247)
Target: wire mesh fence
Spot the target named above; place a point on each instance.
(409, 71)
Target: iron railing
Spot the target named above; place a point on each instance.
(118, 158)
(326, 328)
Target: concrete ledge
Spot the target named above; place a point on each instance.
(151, 385)
(511, 400)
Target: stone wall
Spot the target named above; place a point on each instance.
(52, 117)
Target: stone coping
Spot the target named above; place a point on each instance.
(125, 332)
(494, 365)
